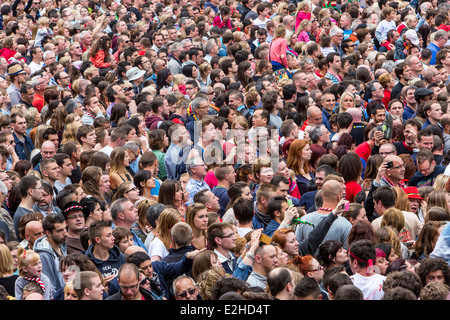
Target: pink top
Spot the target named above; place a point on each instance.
(302, 15)
(278, 48)
(218, 22)
(303, 36)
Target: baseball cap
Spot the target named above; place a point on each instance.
(412, 35)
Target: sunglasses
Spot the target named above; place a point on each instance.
(184, 294)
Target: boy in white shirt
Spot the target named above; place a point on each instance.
(387, 24)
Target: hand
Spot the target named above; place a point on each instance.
(339, 209)
(97, 147)
(378, 136)
(391, 46)
(132, 106)
(254, 242)
(381, 171)
(9, 148)
(108, 279)
(290, 214)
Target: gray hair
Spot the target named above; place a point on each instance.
(176, 46)
(117, 207)
(439, 34)
(196, 103)
(83, 34)
(315, 133)
(3, 188)
(71, 105)
(46, 53)
(209, 45)
(174, 284)
(131, 145)
(35, 81)
(388, 65)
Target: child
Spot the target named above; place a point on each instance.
(304, 13)
(123, 238)
(43, 31)
(387, 24)
(304, 29)
(30, 269)
(223, 19)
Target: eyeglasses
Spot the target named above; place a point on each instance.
(185, 293)
(76, 216)
(399, 166)
(386, 153)
(130, 287)
(318, 269)
(231, 235)
(132, 189)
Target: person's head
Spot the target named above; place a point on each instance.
(265, 259)
(205, 260)
(307, 288)
(100, 234)
(29, 263)
(362, 255)
(355, 213)
(433, 270)
(287, 240)
(332, 253)
(221, 235)
(185, 288)
(30, 186)
(281, 280)
(384, 198)
(88, 286)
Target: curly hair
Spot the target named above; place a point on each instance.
(405, 279)
(430, 265)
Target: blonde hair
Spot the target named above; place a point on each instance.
(167, 219)
(26, 258)
(440, 182)
(393, 218)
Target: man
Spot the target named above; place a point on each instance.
(289, 130)
(181, 234)
(404, 74)
(211, 49)
(174, 64)
(313, 117)
(24, 145)
(125, 214)
(33, 231)
(226, 177)
(416, 66)
(64, 162)
(117, 139)
(39, 85)
(46, 205)
(178, 151)
(222, 239)
(86, 137)
(344, 121)
(445, 123)
(375, 92)
(332, 195)
(197, 172)
(209, 199)
(75, 221)
(307, 199)
(427, 169)
(300, 80)
(115, 94)
(336, 39)
(73, 150)
(281, 283)
(439, 41)
(265, 260)
(17, 77)
(328, 101)
(51, 172)
(130, 285)
(364, 150)
(377, 114)
(93, 109)
(411, 100)
(425, 140)
(279, 211)
(345, 24)
(49, 57)
(62, 80)
(361, 255)
(184, 288)
(52, 247)
(387, 149)
(27, 93)
(75, 51)
(434, 113)
(90, 286)
(30, 188)
(334, 67)
(36, 54)
(102, 251)
(200, 108)
(160, 112)
(263, 195)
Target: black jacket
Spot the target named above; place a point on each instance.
(145, 293)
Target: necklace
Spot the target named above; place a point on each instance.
(325, 209)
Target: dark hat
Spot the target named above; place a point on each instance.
(361, 26)
(71, 206)
(422, 92)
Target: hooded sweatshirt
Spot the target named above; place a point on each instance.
(50, 261)
(111, 265)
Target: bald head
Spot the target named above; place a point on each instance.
(35, 296)
(48, 149)
(132, 249)
(314, 115)
(331, 190)
(33, 231)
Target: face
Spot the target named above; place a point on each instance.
(379, 116)
(306, 153)
(54, 171)
(269, 259)
(291, 247)
(435, 276)
(201, 219)
(33, 270)
(328, 102)
(435, 112)
(426, 142)
(186, 290)
(382, 264)
(266, 175)
(75, 220)
(257, 120)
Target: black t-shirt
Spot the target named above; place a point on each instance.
(401, 148)
(76, 175)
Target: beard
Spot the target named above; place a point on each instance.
(44, 207)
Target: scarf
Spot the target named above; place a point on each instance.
(37, 280)
(264, 218)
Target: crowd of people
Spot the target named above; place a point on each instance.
(224, 150)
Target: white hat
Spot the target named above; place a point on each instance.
(412, 36)
(134, 73)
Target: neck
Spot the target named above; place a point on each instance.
(73, 233)
(328, 204)
(147, 193)
(100, 252)
(54, 245)
(27, 203)
(259, 269)
(224, 183)
(121, 223)
(52, 182)
(19, 135)
(195, 177)
(245, 225)
(225, 253)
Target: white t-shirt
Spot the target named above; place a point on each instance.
(157, 248)
(371, 287)
(243, 231)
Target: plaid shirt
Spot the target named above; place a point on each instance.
(193, 186)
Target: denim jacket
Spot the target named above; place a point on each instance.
(20, 147)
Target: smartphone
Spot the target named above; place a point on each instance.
(389, 164)
(265, 239)
(346, 206)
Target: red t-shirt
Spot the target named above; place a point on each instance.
(364, 151)
(352, 189)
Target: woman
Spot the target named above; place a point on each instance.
(239, 189)
(347, 101)
(159, 247)
(103, 136)
(332, 254)
(101, 160)
(371, 171)
(310, 267)
(287, 240)
(355, 213)
(119, 112)
(145, 182)
(427, 239)
(7, 276)
(239, 129)
(350, 167)
(204, 261)
(164, 79)
(362, 230)
(197, 218)
(118, 172)
(92, 210)
(99, 53)
(298, 161)
(388, 83)
(277, 53)
(158, 143)
(91, 178)
(70, 133)
(142, 227)
(129, 191)
(245, 73)
(262, 173)
(171, 194)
